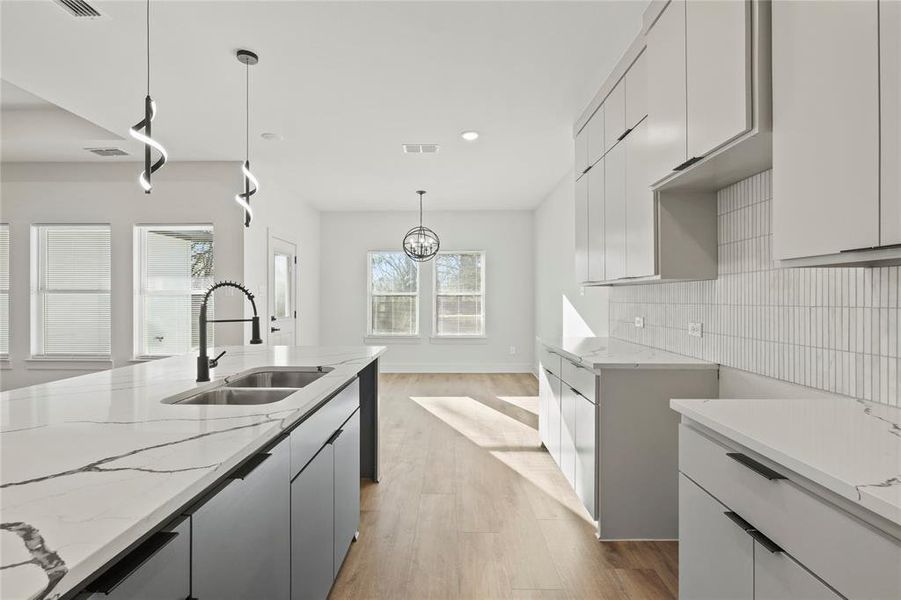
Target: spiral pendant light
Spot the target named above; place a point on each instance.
(141, 131)
(421, 243)
(251, 185)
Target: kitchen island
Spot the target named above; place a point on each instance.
(94, 466)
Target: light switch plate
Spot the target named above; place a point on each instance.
(696, 329)
(639, 322)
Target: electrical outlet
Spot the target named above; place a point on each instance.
(696, 329)
(639, 322)
(512, 350)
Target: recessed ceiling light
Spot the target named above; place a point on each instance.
(272, 137)
(470, 136)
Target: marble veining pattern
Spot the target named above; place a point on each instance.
(607, 353)
(92, 463)
(851, 447)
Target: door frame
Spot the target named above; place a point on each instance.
(271, 238)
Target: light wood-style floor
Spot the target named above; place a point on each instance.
(471, 506)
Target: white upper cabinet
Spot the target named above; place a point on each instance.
(718, 54)
(667, 89)
(825, 127)
(581, 231)
(640, 214)
(614, 115)
(596, 215)
(581, 147)
(890, 86)
(637, 91)
(596, 136)
(615, 212)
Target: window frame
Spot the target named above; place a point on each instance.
(368, 307)
(140, 281)
(461, 336)
(36, 346)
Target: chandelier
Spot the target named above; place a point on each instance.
(421, 243)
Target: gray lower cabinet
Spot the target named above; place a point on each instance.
(708, 536)
(325, 512)
(313, 527)
(586, 453)
(241, 541)
(158, 569)
(347, 487)
(568, 399)
(777, 576)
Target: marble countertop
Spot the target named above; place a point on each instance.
(92, 463)
(850, 447)
(608, 353)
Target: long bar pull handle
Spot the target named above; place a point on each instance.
(122, 570)
(248, 467)
(624, 134)
(744, 525)
(759, 468)
(687, 163)
(334, 437)
(765, 541)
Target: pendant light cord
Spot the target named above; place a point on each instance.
(148, 47)
(247, 112)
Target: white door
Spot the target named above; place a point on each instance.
(282, 292)
(615, 212)
(581, 229)
(666, 89)
(890, 88)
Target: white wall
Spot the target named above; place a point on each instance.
(562, 308)
(49, 193)
(506, 238)
(280, 213)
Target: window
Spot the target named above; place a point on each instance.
(174, 269)
(71, 290)
(459, 294)
(4, 290)
(393, 294)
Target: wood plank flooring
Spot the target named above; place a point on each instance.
(471, 507)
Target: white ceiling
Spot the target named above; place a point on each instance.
(345, 84)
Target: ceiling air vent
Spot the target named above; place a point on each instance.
(78, 8)
(107, 151)
(420, 148)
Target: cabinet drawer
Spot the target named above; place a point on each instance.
(580, 379)
(549, 360)
(818, 534)
(308, 437)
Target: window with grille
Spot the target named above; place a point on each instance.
(393, 294)
(4, 289)
(70, 291)
(459, 294)
(173, 270)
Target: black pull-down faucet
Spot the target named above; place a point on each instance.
(204, 362)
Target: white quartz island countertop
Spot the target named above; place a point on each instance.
(93, 463)
(608, 353)
(850, 447)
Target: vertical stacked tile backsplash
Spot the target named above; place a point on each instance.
(835, 329)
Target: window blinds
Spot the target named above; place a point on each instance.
(459, 293)
(72, 291)
(393, 294)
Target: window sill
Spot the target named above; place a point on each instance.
(68, 363)
(392, 339)
(456, 339)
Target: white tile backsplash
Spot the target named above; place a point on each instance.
(835, 329)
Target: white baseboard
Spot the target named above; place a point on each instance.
(525, 367)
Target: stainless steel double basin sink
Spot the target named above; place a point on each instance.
(259, 387)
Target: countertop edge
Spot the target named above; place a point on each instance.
(599, 366)
(848, 491)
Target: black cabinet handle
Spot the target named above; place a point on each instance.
(764, 541)
(247, 468)
(624, 134)
(122, 570)
(334, 437)
(274, 329)
(744, 525)
(687, 163)
(760, 469)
